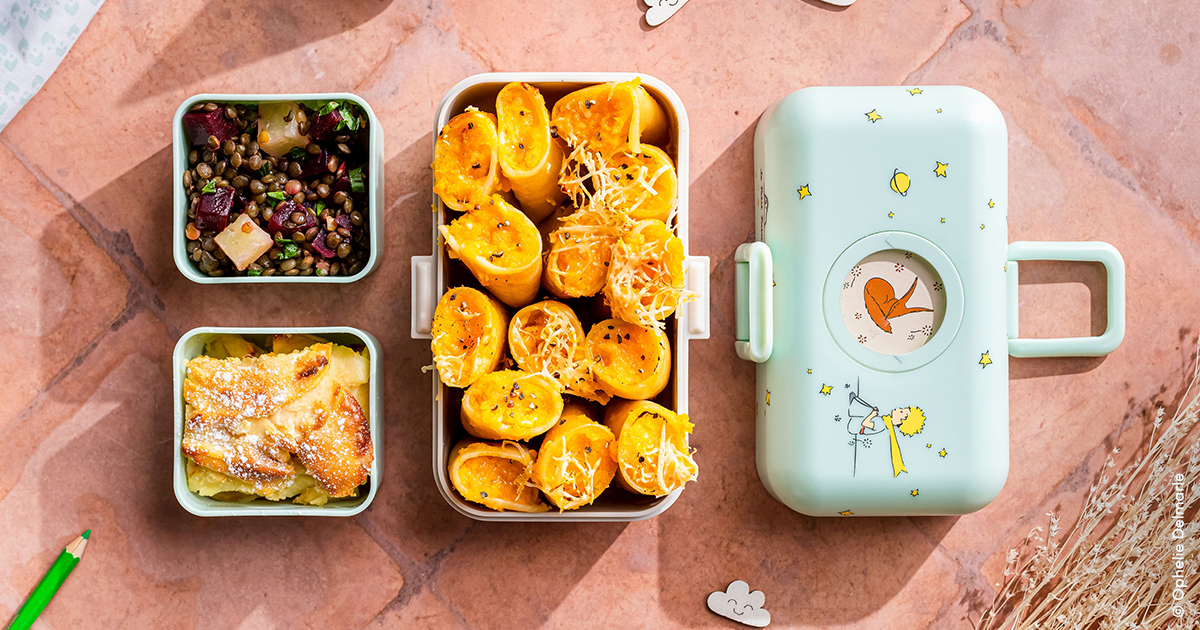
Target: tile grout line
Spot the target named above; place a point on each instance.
(416, 575)
(142, 294)
(135, 301)
(1086, 140)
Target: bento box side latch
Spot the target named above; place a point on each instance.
(424, 297)
(755, 301)
(696, 308)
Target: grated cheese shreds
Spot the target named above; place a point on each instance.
(451, 362)
(550, 346)
(646, 276)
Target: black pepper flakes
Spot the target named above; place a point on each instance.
(483, 494)
(606, 334)
(588, 104)
(470, 125)
(587, 449)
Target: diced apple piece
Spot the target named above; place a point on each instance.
(226, 346)
(243, 242)
(283, 344)
(350, 367)
(279, 128)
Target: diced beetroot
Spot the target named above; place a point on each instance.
(213, 212)
(343, 220)
(283, 212)
(324, 127)
(201, 124)
(321, 247)
(315, 165)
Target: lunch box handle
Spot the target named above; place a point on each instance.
(424, 297)
(1095, 251)
(697, 307)
(755, 326)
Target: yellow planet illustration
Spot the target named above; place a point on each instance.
(900, 182)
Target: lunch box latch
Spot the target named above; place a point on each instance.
(697, 307)
(424, 297)
(754, 297)
(1094, 251)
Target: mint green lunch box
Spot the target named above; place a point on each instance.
(880, 300)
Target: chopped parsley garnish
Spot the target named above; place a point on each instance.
(296, 153)
(289, 251)
(356, 180)
(276, 197)
(319, 208)
(266, 168)
(327, 107)
(211, 186)
(254, 272)
(283, 241)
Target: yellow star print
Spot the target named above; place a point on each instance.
(939, 110)
(768, 398)
(810, 370)
(940, 170)
(915, 492)
(826, 389)
(942, 453)
(915, 91)
(873, 116)
(991, 203)
(804, 191)
(985, 359)
(928, 446)
(846, 513)
(943, 219)
(981, 226)
(891, 215)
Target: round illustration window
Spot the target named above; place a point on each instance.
(893, 302)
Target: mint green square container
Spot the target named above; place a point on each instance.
(181, 147)
(191, 345)
(880, 300)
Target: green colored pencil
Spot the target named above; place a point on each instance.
(50, 583)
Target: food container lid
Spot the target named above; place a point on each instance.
(880, 301)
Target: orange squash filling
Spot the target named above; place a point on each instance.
(465, 165)
(529, 157)
(501, 247)
(629, 360)
(468, 336)
(575, 461)
(495, 475)
(652, 452)
(645, 281)
(610, 117)
(511, 405)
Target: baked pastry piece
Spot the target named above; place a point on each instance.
(263, 423)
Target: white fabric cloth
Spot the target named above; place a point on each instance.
(35, 36)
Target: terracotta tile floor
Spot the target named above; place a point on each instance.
(1098, 100)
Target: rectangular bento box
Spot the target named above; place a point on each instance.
(433, 275)
(181, 147)
(191, 345)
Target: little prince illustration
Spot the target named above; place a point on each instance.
(864, 420)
